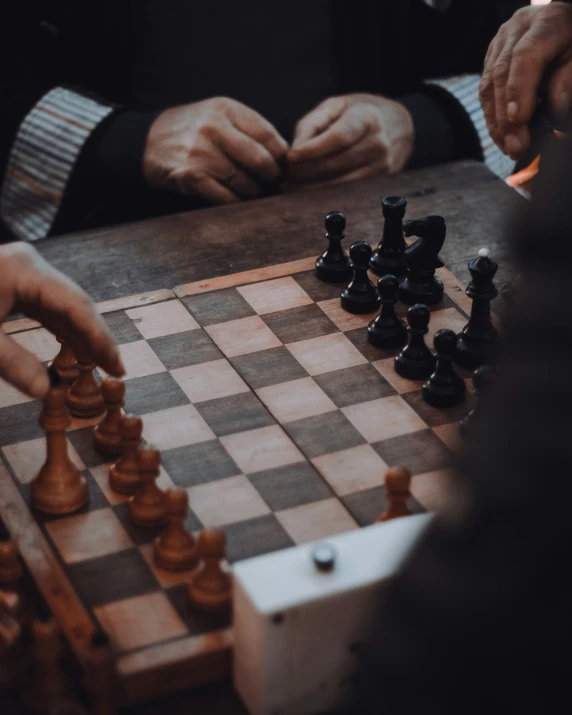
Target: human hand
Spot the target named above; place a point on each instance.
(535, 41)
(350, 137)
(218, 149)
(28, 284)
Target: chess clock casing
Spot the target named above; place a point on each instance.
(299, 629)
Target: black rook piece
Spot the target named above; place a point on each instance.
(483, 381)
(478, 339)
(444, 388)
(360, 296)
(387, 330)
(416, 361)
(388, 257)
(334, 266)
(422, 258)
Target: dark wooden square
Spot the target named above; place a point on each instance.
(19, 423)
(358, 337)
(82, 441)
(198, 622)
(330, 432)
(318, 290)
(434, 416)
(237, 413)
(354, 385)
(153, 393)
(182, 349)
(367, 506)
(419, 452)
(303, 323)
(122, 327)
(199, 463)
(268, 367)
(290, 486)
(218, 307)
(254, 537)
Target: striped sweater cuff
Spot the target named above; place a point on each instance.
(465, 89)
(42, 158)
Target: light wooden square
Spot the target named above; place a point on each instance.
(86, 536)
(39, 342)
(140, 360)
(326, 354)
(317, 520)
(226, 501)
(342, 319)
(101, 476)
(448, 318)
(295, 400)
(449, 434)
(155, 321)
(384, 418)
(386, 368)
(11, 396)
(27, 458)
(176, 427)
(275, 295)
(263, 448)
(209, 380)
(352, 470)
(433, 490)
(243, 336)
(140, 621)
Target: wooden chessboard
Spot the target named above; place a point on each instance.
(270, 407)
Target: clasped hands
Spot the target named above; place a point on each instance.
(223, 151)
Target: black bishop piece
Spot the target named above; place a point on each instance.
(420, 284)
(334, 266)
(416, 361)
(444, 388)
(360, 296)
(387, 330)
(388, 257)
(483, 381)
(478, 339)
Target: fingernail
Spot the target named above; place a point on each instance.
(512, 111)
(512, 145)
(564, 104)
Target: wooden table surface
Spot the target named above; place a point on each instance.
(169, 251)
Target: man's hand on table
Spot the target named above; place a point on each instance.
(218, 149)
(350, 137)
(29, 285)
(536, 40)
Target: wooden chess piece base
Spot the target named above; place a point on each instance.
(210, 586)
(175, 549)
(147, 508)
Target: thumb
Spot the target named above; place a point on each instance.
(319, 119)
(21, 369)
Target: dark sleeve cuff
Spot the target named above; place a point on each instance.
(443, 129)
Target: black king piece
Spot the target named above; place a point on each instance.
(388, 257)
(478, 339)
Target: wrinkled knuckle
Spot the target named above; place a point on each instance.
(500, 73)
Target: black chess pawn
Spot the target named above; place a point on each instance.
(483, 381)
(416, 361)
(360, 296)
(389, 257)
(420, 284)
(478, 340)
(387, 330)
(334, 265)
(444, 388)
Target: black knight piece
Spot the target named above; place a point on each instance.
(387, 330)
(416, 361)
(334, 266)
(360, 296)
(444, 388)
(388, 257)
(478, 339)
(483, 381)
(420, 284)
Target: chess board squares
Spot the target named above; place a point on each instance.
(122, 327)
(384, 418)
(359, 339)
(450, 435)
(345, 321)
(182, 349)
(244, 336)
(295, 400)
(434, 416)
(140, 360)
(289, 326)
(274, 295)
(11, 396)
(326, 354)
(140, 621)
(448, 318)
(175, 427)
(19, 423)
(100, 474)
(154, 321)
(236, 413)
(419, 452)
(290, 486)
(226, 501)
(366, 506)
(209, 380)
(356, 384)
(26, 458)
(261, 449)
(352, 470)
(199, 464)
(218, 306)
(325, 433)
(153, 393)
(318, 290)
(255, 537)
(317, 520)
(402, 385)
(196, 622)
(268, 367)
(40, 342)
(433, 490)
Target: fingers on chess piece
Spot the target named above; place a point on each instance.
(360, 296)
(387, 330)
(478, 340)
(210, 586)
(420, 284)
(147, 508)
(106, 436)
(397, 492)
(59, 488)
(389, 257)
(483, 381)
(124, 474)
(445, 388)
(65, 363)
(10, 565)
(416, 361)
(175, 549)
(84, 397)
(101, 675)
(334, 265)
